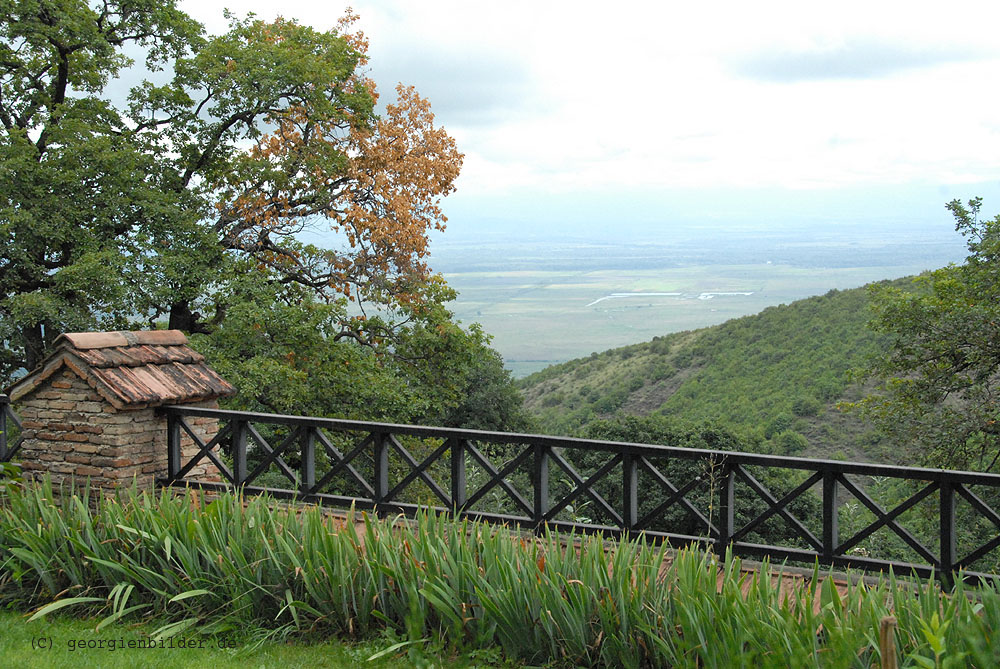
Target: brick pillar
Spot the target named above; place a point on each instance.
(89, 410)
(71, 431)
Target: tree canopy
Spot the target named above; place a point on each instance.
(940, 382)
(278, 346)
(116, 212)
(182, 203)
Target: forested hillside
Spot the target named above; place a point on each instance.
(777, 375)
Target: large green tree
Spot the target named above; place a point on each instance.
(939, 384)
(116, 213)
(280, 346)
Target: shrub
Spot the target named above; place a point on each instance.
(806, 406)
(778, 424)
(791, 442)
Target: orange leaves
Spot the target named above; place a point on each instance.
(406, 166)
(357, 39)
(377, 182)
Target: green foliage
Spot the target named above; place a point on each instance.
(806, 406)
(941, 375)
(116, 216)
(777, 425)
(791, 442)
(758, 372)
(277, 345)
(227, 567)
(82, 193)
(665, 431)
(287, 352)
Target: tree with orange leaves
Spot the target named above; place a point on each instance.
(320, 156)
(114, 213)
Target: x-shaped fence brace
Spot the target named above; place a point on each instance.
(382, 449)
(8, 447)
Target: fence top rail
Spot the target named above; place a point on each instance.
(646, 450)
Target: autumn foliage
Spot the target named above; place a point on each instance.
(376, 181)
(117, 216)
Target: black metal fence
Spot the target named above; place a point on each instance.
(785, 508)
(10, 430)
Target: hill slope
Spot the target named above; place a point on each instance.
(780, 372)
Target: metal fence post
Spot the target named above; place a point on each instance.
(630, 493)
(4, 403)
(173, 447)
(947, 528)
(307, 468)
(239, 452)
(727, 508)
(381, 469)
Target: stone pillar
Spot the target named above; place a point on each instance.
(89, 412)
(70, 431)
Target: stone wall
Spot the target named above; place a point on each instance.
(70, 431)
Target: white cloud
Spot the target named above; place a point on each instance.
(579, 96)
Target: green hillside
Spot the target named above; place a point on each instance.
(779, 374)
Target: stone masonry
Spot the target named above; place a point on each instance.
(75, 427)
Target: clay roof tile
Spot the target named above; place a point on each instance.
(134, 368)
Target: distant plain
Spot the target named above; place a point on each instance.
(535, 295)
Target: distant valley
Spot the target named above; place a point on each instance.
(550, 299)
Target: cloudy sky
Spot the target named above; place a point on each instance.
(640, 113)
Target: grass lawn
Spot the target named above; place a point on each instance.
(21, 640)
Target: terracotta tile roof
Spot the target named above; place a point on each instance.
(132, 369)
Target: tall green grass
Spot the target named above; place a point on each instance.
(562, 599)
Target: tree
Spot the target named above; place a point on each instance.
(112, 214)
(278, 346)
(940, 380)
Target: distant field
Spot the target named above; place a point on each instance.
(539, 318)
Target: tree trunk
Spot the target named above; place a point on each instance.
(37, 339)
(182, 318)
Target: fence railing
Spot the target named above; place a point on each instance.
(9, 445)
(784, 508)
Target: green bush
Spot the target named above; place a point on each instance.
(778, 424)
(791, 442)
(553, 399)
(806, 406)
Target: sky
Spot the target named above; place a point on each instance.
(638, 115)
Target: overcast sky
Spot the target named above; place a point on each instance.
(730, 112)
